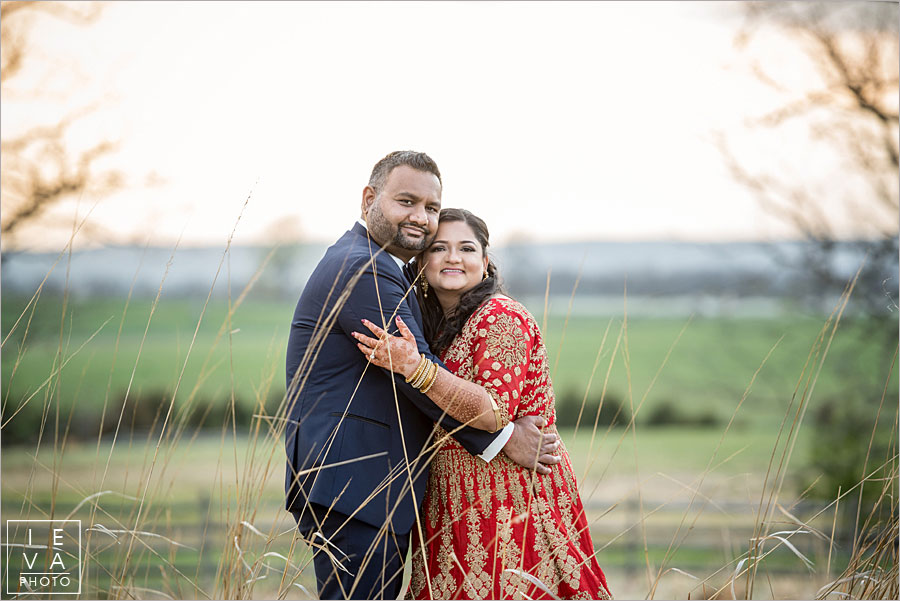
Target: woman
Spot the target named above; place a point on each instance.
(492, 530)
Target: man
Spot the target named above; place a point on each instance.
(358, 438)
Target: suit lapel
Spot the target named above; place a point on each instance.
(414, 306)
(408, 273)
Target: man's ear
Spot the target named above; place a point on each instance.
(368, 199)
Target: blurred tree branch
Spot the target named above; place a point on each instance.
(39, 168)
(13, 34)
(852, 114)
(853, 48)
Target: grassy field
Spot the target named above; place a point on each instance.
(673, 509)
(638, 498)
(699, 365)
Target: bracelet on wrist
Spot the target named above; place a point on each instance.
(430, 380)
(417, 383)
(419, 369)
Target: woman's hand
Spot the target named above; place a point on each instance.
(464, 401)
(397, 353)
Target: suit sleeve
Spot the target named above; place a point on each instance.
(378, 295)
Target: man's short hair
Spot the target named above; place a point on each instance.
(411, 158)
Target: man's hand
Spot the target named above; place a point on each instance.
(531, 448)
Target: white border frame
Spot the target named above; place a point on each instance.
(8, 549)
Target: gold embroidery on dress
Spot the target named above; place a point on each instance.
(507, 341)
(500, 496)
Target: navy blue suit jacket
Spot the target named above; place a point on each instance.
(336, 413)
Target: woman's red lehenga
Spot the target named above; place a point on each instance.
(496, 530)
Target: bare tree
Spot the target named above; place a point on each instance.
(853, 47)
(39, 169)
(852, 115)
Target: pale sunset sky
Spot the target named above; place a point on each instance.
(552, 121)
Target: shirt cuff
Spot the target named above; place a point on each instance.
(495, 447)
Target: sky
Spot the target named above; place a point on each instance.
(552, 121)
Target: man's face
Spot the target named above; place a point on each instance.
(405, 213)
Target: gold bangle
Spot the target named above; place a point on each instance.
(417, 380)
(424, 379)
(431, 379)
(417, 383)
(418, 370)
(425, 375)
(435, 377)
(497, 417)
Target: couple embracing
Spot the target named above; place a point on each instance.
(421, 413)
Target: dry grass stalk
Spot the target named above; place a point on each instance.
(255, 555)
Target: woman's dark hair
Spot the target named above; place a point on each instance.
(440, 330)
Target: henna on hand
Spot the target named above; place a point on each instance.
(464, 401)
(464, 404)
(399, 354)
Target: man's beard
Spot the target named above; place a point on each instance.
(385, 232)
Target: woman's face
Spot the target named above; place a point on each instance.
(455, 262)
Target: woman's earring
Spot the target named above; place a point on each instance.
(485, 276)
(424, 286)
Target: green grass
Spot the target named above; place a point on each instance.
(673, 451)
(648, 485)
(195, 484)
(708, 369)
(712, 362)
(257, 347)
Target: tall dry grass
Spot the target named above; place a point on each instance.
(264, 557)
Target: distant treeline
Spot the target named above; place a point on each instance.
(734, 270)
